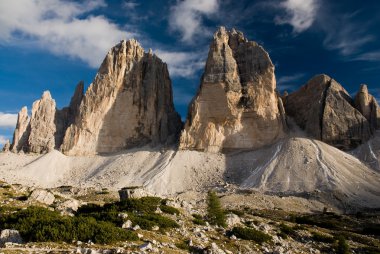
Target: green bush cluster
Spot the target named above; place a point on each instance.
(169, 209)
(251, 234)
(215, 213)
(42, 225)
(342, 245)
(286, 231)
(322, 237)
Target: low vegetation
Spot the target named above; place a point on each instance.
(251, 234)
(215, 213)
(39, 224)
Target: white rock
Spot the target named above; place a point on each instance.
(146, 246)
(10, 236)
(42, 196)
(127, 224)
(232, 220)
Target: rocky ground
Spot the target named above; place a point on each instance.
(294, 224)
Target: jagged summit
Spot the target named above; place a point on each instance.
(331, 114)
(236, 106)
(130, 103)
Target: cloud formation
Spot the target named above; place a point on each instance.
(182, 64)
(62, 27)
(186, 17)
(3, 140)
(8, 120)
(300, 14)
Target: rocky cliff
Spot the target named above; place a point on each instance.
(325, 110)
(21, 133)
(236, 106)
(367, 105)
(129, 104)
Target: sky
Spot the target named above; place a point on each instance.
(54, 44)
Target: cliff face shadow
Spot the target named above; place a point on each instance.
(142, 113)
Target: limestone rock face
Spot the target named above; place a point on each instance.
(367, 105)
(236, 106)
(325, 110)
(129, 104)
(42, 125)
(22, 131)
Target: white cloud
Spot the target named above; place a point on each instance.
(186, 17)
(130, 5)
(61, 27)
(373, 56)
(3, 140)
(290, 78)
(8, 120)
(300, 14)
(182, 64)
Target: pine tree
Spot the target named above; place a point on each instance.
(215, 212)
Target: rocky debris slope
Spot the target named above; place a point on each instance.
(293, 166)
(236, 106)
(129, 104)
(330, 114)
(369, 152)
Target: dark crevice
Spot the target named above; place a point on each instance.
(322, 109)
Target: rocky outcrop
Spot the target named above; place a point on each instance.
(367, 105)
(42, 125)
(9, 236)
(325, 110)
(129, 104)
(237, 106)
(22, 131)
(6, 146)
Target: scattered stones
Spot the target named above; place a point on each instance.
(146, 246)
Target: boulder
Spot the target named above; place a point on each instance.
(10, 236)
(330, 114)
(237, 106)
(132, 192)
(68, 207)
(42, 196)
(232, 220)
(129, 104)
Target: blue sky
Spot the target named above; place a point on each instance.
(53, 44)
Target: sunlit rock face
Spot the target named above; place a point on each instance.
(129, 104)
(237, 106)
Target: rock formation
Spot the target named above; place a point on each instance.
(237, 106)
(325, 110)
(42, 125)
(21, 133)
(6, 146)
(129, 104)
(367, 105)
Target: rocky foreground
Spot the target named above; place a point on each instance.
(285, 224)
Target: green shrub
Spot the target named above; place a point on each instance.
(142, 205)
(342, 245)
(287, 230)
(322, 238)
(147, 221)
(251, 234)
(215, 212)
(199, 222)
(169, 209)
(237, 212)
(42, 225)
